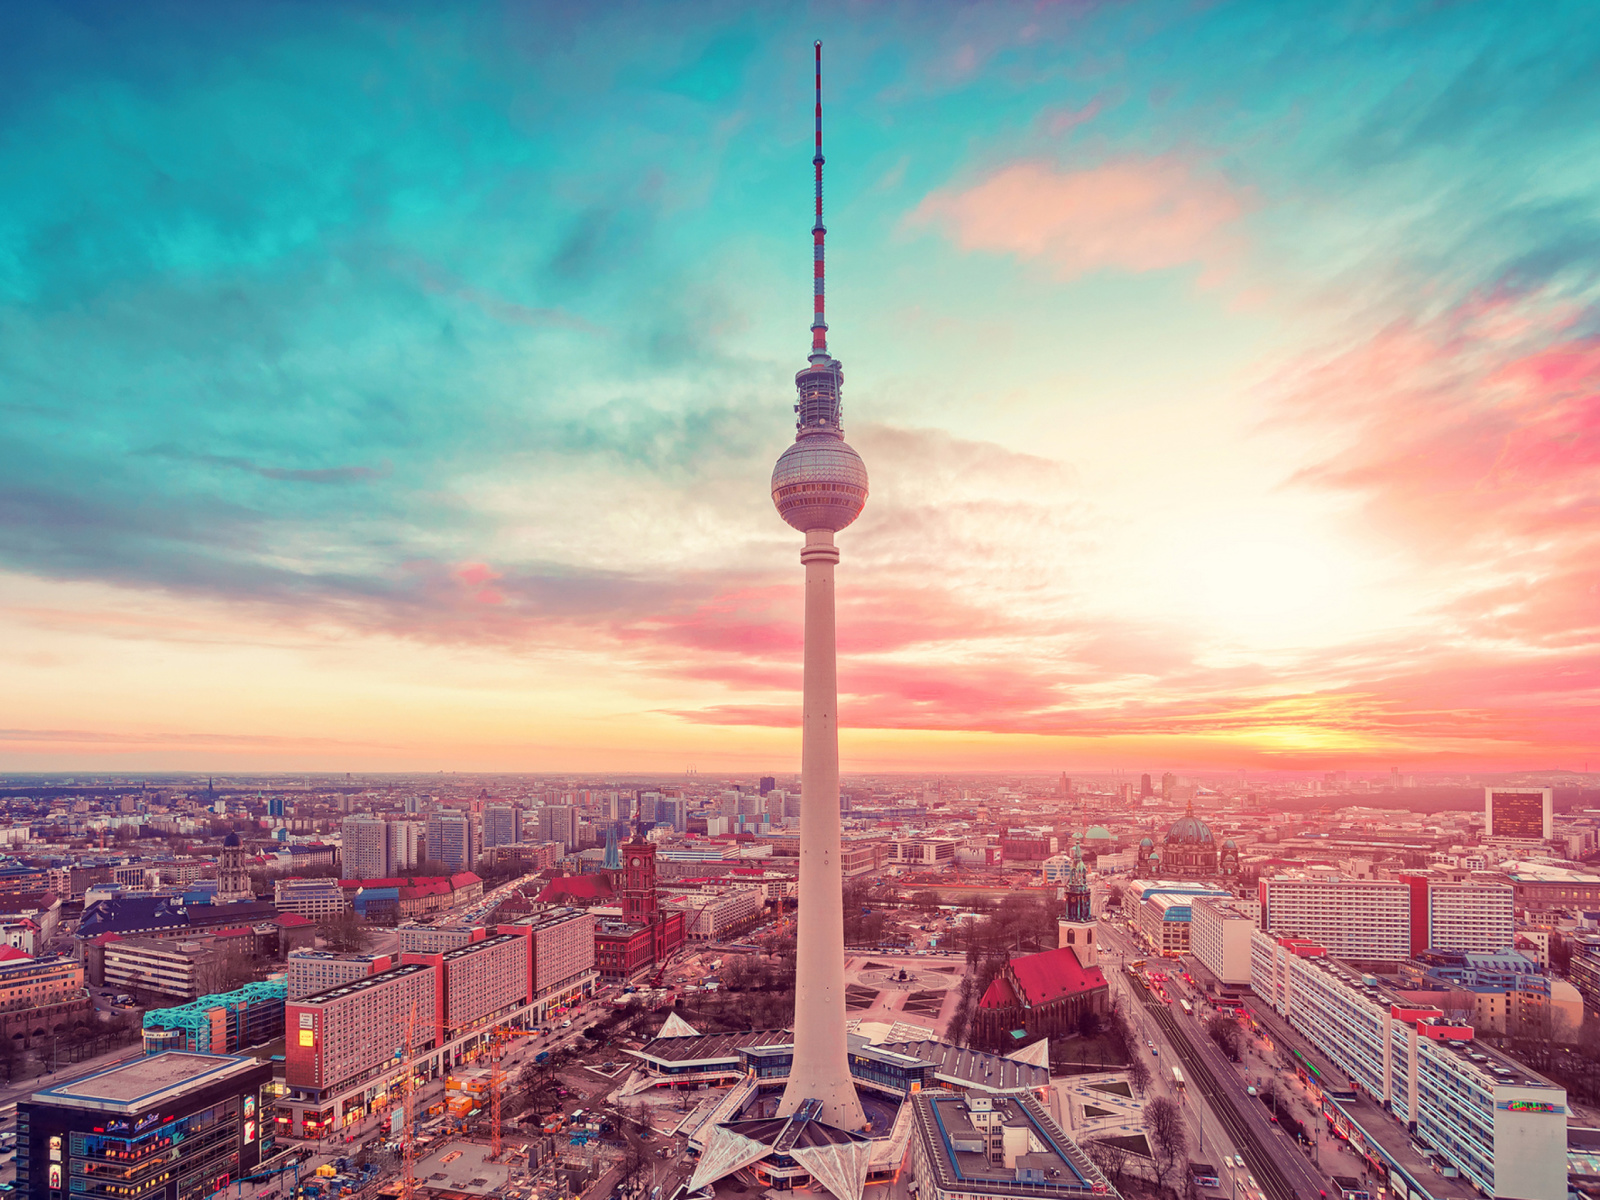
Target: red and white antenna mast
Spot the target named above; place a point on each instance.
(819, 324)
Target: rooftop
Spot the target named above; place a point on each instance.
(362, 984)
(972, 1068)
(145, 1082)
(717, 1047)
(1040, 1160)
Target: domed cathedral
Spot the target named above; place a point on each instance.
(1190, 850)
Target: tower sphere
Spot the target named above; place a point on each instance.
(819, 482)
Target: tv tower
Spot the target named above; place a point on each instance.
(820, 486)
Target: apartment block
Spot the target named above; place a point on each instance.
(1364, 920)
(1219, 936)
(348, 1035)
(365, 851)
(502, 825)
(454, 839)
(1473, 917)
(318, 970)
(1502, 1127)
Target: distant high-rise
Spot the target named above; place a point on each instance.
(559, 823)
(365, 851)
(1169, 781)
(502, 825)
(407, 845)
(275, 806)
(1144, 786)
(453, 839)
(820, 486)
(767, 784)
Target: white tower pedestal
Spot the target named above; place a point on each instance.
(821, 1069)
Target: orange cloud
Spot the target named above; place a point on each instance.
(1133, 214)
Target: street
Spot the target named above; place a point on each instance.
(1217, 1134)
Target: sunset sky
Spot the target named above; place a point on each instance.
(392, 386)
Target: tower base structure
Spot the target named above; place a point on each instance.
(821, 1070)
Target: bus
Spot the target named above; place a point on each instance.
(1177, 1079)
(1188, 1009)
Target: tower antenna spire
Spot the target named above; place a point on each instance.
(819, 232)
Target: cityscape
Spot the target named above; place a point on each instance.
(1163, 774)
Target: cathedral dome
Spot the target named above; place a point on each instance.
(1190, 830)
(231, 840)
(1097, 833)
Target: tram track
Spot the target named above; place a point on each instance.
(1263, 1166)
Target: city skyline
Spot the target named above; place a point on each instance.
(1222, 416)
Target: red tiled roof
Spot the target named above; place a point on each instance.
(577, 887)
(999, 995)
(464, 879)
(1054, 975)
(287, 920)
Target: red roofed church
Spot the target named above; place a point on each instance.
(1044, 994)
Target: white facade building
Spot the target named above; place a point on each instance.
(1475, 917)
(1366, 920)
(1219, 936)
(1503, 1128)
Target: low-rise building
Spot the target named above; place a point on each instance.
(41, 996)
(315, 899)
(972, 1147)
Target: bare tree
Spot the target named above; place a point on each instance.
(1138, 1073)
(1224, 1031)
(1163, 1121)
(1110, 1158)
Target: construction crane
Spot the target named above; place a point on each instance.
(408, 1152)
(497, 1086)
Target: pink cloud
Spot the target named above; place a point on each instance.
(1133, 214)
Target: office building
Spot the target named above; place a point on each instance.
(38, 995)
(453, 839)
(926, 852)
(1501, 1126)
(170, 1126)
(502, 825)
(559, 823)
(365, 849)
(1359, 919)
(1518, 814)
(767, 784)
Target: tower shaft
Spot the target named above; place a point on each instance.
(821, 1069)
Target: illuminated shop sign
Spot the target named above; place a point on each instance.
(1531, 1106)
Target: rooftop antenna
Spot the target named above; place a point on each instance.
(819, 324)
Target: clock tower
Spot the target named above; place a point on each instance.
(639, 882)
